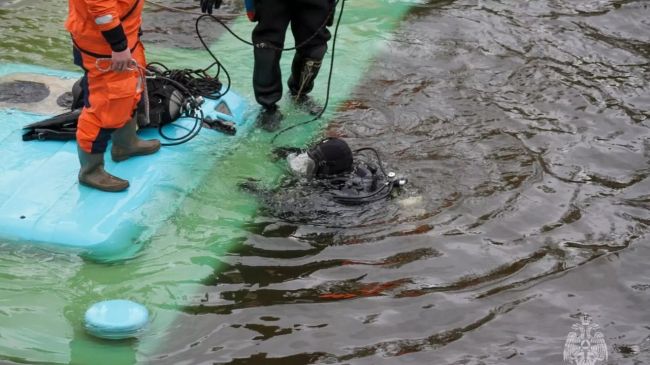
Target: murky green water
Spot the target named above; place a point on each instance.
(522, 128)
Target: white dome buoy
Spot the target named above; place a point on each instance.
(116, 319)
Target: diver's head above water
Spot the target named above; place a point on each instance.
(347, 176)
(329, 157)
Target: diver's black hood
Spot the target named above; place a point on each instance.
(332, 156)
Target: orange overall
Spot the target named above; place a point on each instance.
(99, 27)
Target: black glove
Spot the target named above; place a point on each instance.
(332, 15)
(208, 5)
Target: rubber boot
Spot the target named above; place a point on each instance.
(269, 118)
(92, 173)
(301, 83)
(126, 143)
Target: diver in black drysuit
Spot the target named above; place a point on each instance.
(329, 175)
(309, 20)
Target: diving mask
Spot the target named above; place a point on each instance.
(301, 164)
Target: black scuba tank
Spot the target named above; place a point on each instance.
(165, 101)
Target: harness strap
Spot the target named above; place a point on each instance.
(135, 5)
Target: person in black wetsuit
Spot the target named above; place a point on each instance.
(324, 177)
(309, 20)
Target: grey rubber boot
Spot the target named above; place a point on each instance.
(126, 143)
(92, 173)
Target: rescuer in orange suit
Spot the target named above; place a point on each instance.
(106, 45)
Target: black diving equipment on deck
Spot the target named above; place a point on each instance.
(62, 127)
(170, 95)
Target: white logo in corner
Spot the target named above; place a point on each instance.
(585, 345)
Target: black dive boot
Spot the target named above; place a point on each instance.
(301, 82)
(269, 118)
(267, 84)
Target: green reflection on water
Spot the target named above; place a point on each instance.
(43, 295)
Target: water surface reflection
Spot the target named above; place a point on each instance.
(522, 127)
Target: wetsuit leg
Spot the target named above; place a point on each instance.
(273, 20)
(308, 18)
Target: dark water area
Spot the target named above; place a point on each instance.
(522, 127)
